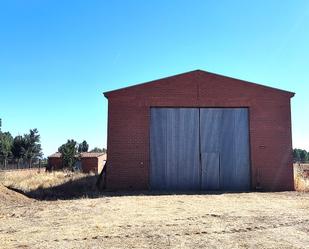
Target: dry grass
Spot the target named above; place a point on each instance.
(301, 177)
(28, 180)
(45, 185)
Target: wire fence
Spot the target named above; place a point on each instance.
(12, 163)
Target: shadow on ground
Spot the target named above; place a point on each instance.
(86, 188)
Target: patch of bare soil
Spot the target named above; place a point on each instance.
(200, 220)
(8, 196)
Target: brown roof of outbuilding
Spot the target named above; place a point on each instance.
(199, 73)
(92, 154)
(57, 154)
(83, 154)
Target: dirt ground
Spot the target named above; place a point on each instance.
(143, 220)
(242, 220)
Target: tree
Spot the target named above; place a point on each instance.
(6, 141)
(303, 156)
(68, 153)
(19, 148)
(83, 147)
(98, 150)
(296, 155)
(32, 147)
(300, 156)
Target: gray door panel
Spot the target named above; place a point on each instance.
(158, 148)
(176, 132)
(225, 131)
(210, 129)
(242, 153)
(210, 134)
(227, 162)
(210, 163)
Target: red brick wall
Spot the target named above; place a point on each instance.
(270, 126)
(55, 163)
(90, 164)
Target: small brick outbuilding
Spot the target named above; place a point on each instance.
(199, 131)
(89, 161)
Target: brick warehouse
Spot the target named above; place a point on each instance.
(199, 131)
(89, 161)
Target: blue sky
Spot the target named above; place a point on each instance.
(58, 57)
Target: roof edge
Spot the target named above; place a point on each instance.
(82, 154)
(147, 82)
(291, 94)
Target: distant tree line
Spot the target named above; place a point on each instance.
(26, 147)
(71, 152)
(98, 150)
(300, 156)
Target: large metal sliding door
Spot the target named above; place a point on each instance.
(224, 135)
(174, 145)
(199, 148)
